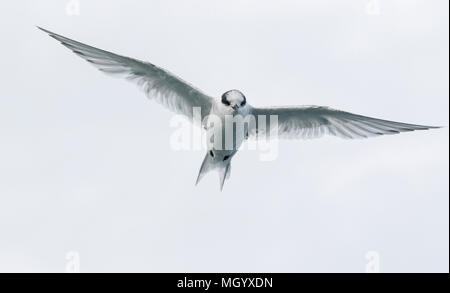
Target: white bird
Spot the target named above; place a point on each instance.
(181, 97)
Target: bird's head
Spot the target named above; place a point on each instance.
(234, 99)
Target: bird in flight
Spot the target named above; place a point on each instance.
(181, 98)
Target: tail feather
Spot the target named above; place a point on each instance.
(208, 164)
(205, 167)
(224, 173)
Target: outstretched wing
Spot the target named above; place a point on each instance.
(157, 83)
(313, 121)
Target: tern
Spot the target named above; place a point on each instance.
(180, 97)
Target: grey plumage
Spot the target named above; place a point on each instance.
(313, 122)
(180, 97)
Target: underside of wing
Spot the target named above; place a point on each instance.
(157, 83)
(314, 121)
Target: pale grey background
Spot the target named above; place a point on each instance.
(85, 162)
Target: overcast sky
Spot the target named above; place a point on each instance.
(86, 164)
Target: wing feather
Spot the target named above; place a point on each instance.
(314, 121)
(157, 83)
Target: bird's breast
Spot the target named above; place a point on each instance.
(226, 131)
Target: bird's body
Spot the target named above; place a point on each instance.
(224, 143)
(232, 110)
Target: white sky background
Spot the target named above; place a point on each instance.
(86, 165)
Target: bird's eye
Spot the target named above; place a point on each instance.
(211, 154)
(244, 101)
(226, 158)
(225, 101)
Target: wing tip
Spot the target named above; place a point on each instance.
(44, 30)
(51, 34)
(57, 37)
(426, 127)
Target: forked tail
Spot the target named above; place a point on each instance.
(209, 164)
